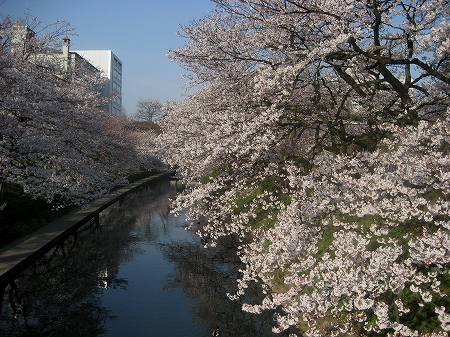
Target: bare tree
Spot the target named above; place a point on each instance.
(149, 110)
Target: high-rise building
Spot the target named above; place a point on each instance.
(111, 67)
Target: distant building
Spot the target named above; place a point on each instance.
(22, 45)
(104, 61)
(20, 37)
(71, 60)
(111, 67)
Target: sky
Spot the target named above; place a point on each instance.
(139, 32)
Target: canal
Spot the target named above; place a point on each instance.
(141, 274)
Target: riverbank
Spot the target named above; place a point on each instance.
(23, 215)
(17, 255)
(142, 275)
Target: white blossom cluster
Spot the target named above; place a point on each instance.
(57, 142)
(361, 227)
(319, 138)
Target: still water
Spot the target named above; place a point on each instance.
(141, 274)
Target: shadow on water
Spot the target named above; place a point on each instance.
(142, 274)
(206, 275)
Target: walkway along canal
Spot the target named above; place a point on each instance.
(139, 273)
(19, 255)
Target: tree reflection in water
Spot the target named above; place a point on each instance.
(64, 296)
(61, 296)
(206, 275)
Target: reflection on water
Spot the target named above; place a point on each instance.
(141, 275)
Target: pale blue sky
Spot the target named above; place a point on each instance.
(139, 32)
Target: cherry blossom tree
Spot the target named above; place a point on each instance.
(317, 134)
(56, 141)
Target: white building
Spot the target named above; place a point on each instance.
(22, 45)
(111, 67)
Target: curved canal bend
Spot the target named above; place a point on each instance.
(143, 274)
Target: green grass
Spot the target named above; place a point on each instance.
(262, 221)
(266, 244)
(324, 244)
(213, 174)
(423, 319)
(278, 285)
(244, 200)
(364, 223)
(434, 195)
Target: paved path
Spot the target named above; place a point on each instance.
(16, 256)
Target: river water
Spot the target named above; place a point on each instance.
(141, 274)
